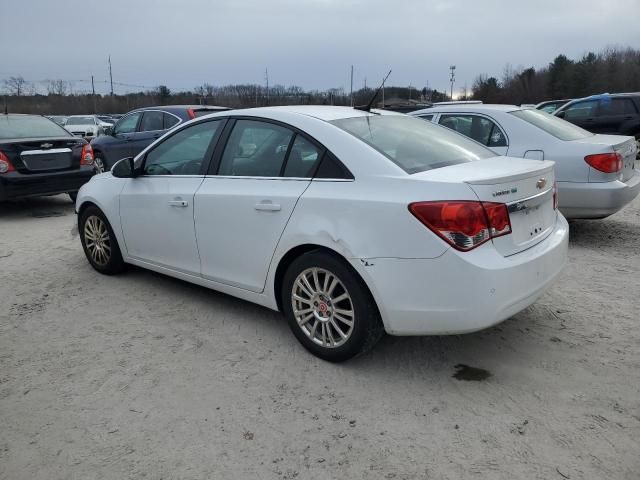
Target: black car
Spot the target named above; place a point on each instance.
(617, 114)
(140, 128)
(39, 157)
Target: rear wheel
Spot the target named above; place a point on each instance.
(329, 308)
(99, 243)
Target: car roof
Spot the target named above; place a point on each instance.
(470, 107)
(321, 112)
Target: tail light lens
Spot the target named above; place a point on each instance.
(555, 195)
(5, 164)
(191, 113)
(605, 162)
(86, 157)
(463, 224)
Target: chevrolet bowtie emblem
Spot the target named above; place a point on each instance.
(46, 145)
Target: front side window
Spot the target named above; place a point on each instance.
(151, 121)
(413, 144)
(302, 159)
(552, 125)
(581, 110)
(481, 129)
(127, 124)
(255, 149)
(182, 153)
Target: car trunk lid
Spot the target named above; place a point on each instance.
(41, 155)
(525, 186)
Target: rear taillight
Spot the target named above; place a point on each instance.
(464, 224)
(555, 196)
(605, 162)
(86, 157)
(5, 164)
(191, 113)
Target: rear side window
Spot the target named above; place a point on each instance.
(426, 117)
(170, 121)
(303, 158)
(552, 125)
(481, 129)
(331, 167)
(29, 127)
(413, 144)
(616, 106)
(151, 121)
(255, 149)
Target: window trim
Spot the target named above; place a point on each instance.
(207, 156)
(569, 106)
(214, 166)
(483, 115)
(121, 120)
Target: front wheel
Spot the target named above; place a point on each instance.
(100, 165)
(99, 242)
(329, 308)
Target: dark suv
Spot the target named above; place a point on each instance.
(617, 114)
(139, 128)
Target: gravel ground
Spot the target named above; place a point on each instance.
(144, 376)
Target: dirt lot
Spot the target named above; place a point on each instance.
(143, 376)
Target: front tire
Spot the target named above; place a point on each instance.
(329, 308)
(100, 165)
(99, 242)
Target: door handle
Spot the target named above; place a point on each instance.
(178, 203)
(267, 206)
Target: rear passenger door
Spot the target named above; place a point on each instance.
(244, 204)
(479, 128)
(582, 114)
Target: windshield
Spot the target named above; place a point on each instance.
(80, 121)
(29, 127)
(555, 126)
(413, 144)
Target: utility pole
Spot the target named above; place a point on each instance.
(110, 75)
(266, 76)
(351, 94)
(365, 84)
(93, 94)
(383, 90)
(452, 78)
(409, 92)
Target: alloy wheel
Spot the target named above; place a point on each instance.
(322, 307)
(99, 164)
(97, 241)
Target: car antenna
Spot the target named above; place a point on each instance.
(367, 107)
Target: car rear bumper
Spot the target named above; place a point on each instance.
(17, 185)
(596, 200)
(462, 292)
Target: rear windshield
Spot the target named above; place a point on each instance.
(29, 127)
(81, 121)
(555, 126)
(413, 144)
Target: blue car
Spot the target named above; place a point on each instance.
(139, 128)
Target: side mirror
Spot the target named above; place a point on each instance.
(124, 168)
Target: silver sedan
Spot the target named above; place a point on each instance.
(595, 173)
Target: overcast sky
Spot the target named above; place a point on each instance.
(310, 43)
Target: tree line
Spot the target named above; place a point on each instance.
(612, 70)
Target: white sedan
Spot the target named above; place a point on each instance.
(350, 222)
(595, 173)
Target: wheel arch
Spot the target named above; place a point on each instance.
(296, 252)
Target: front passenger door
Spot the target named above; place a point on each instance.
(156, 208)
(120, 146)
(479, 128)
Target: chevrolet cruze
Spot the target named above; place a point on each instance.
(352, 223)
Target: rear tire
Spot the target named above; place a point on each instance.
(99, 242)
(329, 308)
(100, 164)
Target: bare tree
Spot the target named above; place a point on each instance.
(15, 85)
(57, 87)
